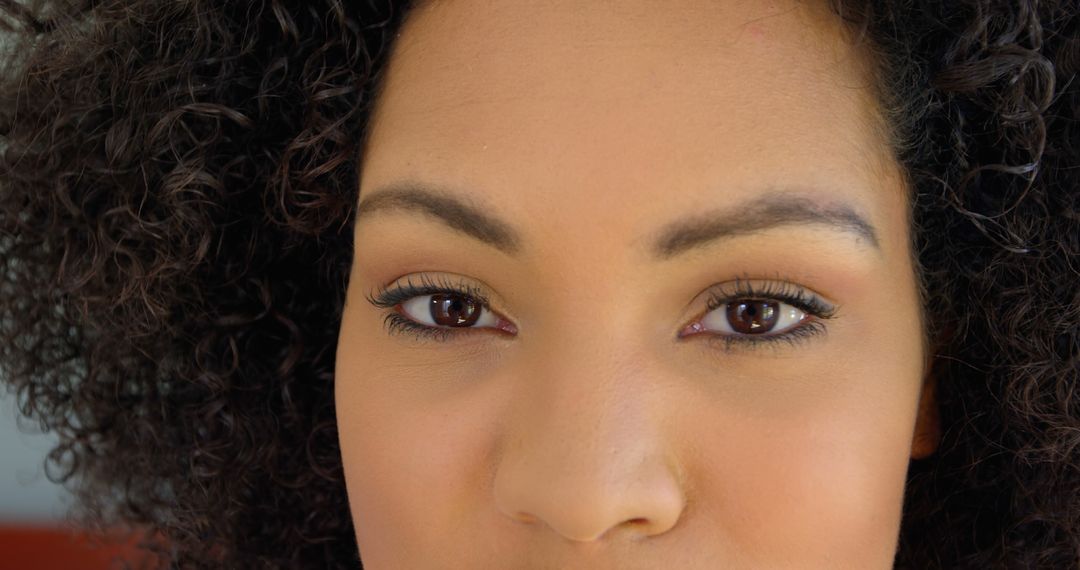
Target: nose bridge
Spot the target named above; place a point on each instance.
(585, 449)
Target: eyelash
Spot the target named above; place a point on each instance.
(780, 290)
(396, 323)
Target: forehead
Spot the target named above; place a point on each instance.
(629, 110)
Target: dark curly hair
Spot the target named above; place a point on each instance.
(177, 184)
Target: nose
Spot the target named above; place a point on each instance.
(584, 451)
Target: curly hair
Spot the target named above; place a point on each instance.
(177, 184)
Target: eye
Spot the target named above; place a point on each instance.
(449, 309)
(755, 315)
(437, 308)
(440, 308)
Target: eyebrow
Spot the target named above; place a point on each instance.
(773, 209)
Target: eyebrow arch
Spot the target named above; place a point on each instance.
(770, 210)
(767, 211)
(456, 212)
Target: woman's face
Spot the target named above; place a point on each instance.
(600, 172)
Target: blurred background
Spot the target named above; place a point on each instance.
(34, 534)
(26, 495)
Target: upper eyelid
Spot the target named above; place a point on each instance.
(788, 293)
(775, 286)
(389, 295)
(780, 288)
(741, 288)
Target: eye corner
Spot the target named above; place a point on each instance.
(827, 309)
(374, 297)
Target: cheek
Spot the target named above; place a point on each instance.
(408, 468)
(818, 486)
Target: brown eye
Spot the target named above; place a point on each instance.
(747, 317)
(448, 310)
(454, 310)
(754, 316)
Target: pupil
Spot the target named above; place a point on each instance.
(454, 310)
(754, 316)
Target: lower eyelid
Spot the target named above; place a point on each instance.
(397, 321)
(399, 324)
(803, 333)
(400, 321)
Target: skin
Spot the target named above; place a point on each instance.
(589, 433)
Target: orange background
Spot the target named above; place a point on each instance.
(52, 548)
